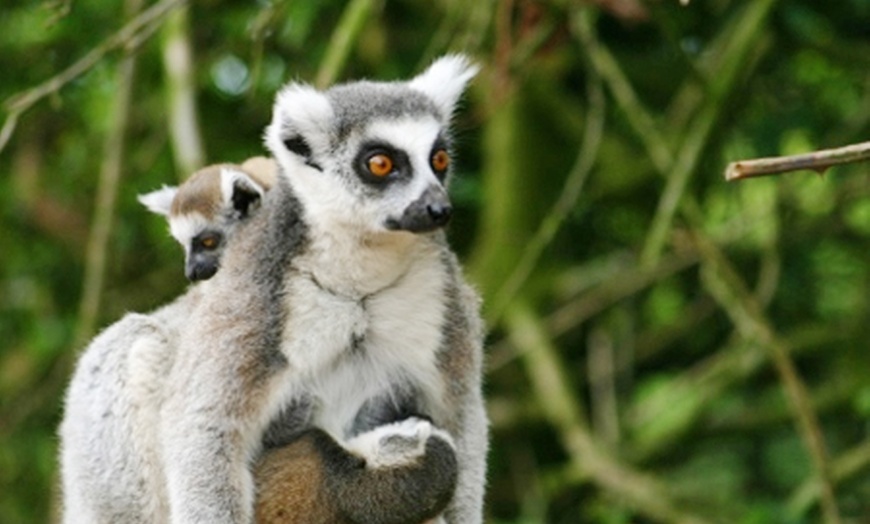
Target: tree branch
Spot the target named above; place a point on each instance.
(562, 409)
(574, 183)
(17, 104)
(107, 191)
(817, 161)
(746, 314)
(180, 95)
(352, 21)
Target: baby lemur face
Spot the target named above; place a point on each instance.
(374, 156)
(204, 211)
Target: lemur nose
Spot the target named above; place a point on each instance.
(439, 212)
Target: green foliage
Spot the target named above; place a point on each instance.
(632, 377)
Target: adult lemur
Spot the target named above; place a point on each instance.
(398, 473)
(339, 297)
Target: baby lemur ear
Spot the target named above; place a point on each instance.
(241, 191)
(160, 200)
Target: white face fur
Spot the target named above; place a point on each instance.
(328, 142)
(203, 213)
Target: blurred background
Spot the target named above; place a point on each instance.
(664, 346)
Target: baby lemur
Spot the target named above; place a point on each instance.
(206, 209)
(338, 308)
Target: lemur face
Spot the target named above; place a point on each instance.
(205, 210)
(373, 156)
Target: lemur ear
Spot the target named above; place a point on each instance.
(300, 123)
(444, 81)
(240, 191)
(159, 201)
(261, 169)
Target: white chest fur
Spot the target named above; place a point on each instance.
(351, 333)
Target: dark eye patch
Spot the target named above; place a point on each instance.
(297, 144)
(207, 241)
(440, 145)
(371, 154)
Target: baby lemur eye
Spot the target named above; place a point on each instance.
(440, 160)
(210, 241)
(380, 165)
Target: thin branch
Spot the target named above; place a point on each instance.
(345, 35)
(564, 204)
(738, 51)
(107, 191)
(617, 83)
(180, 94)
(844, 467)
(17, 104)
(726, 286)
(817, 161)
(562, 409)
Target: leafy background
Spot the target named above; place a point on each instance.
(664, 347)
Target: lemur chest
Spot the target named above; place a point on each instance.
(343, 348)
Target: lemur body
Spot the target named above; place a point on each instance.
(339, 293)
(307, 478)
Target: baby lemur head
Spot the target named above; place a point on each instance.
(374, 156)
(204, 211)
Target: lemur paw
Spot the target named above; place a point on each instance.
(396, 444)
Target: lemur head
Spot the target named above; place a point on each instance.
(371, 155)
(205, 209)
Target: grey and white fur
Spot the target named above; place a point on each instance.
(304, 476)
(341, 290)
(205, 210)
(303, 473)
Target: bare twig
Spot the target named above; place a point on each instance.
(104, 208)
(805, 417)
(574, 183)
(181, 94)
(745, 312)
(349, 27)
(736, 53)
(17, 104)
(844, 467)
(562, 409)
(817, 161)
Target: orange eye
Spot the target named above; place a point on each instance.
(209, 242)
(380, 165)
(440, 161)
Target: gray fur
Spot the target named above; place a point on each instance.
(335, 310)
(359, 103)
(115, 390)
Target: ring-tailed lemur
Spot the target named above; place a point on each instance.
(409, 475)
(341, 291)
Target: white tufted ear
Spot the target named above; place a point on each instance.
(445, 80)
(300, 122)
(232, 179)
(159, 201)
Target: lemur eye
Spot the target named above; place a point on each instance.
(440, 161)
(209, 242)
(380, 165)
